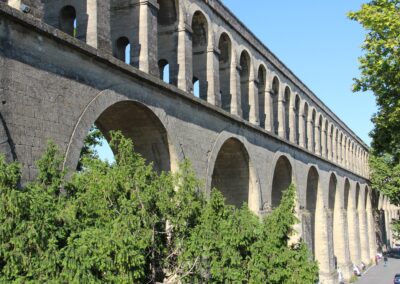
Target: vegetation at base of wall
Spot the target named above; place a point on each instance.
(125, 223)
(380, 74)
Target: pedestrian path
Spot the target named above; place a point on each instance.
(380, 274)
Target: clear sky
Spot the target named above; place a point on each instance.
(320, 45)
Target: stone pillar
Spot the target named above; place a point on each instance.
(310, 135)
(324, 248)
(363, 225)
(98, 32)
(341, 241)
(354, 240)
(281, 114)
(317, 138)
(334, 147)
(390, 214)
(344, 151)
(33, 7)
(236, 103)
(292, 122)
(324, 143)
(329, 144)
(371, 230)
(213, 88)
(148, 37)
(387, 226)
(269, 113)
(185, 71)
(302, 130)
(253, 100)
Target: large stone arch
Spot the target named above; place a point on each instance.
(353, 223)
(319, 240)
(338, 224)
(363, 224)
(372, 232)
(103, 106)
(313, 201)
(282, 175)
(231, 162)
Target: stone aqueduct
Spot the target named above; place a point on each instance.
(253, 129)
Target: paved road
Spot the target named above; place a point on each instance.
(380, 274)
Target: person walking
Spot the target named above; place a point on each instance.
(385, 259)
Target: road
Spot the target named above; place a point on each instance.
(381, 274)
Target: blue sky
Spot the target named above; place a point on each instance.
(320, 45)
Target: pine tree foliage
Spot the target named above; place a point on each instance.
(125, 223)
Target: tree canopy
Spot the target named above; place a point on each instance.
(380, 70)
(126, 223)
(380, 74)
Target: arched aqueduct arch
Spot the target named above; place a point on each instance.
(221, 155)
(99, 105)
(282, 175)
(231, 153)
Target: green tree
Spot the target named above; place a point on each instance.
(125, 223)
(380, 70)
(380, 74)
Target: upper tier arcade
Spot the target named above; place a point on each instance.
(208, 52)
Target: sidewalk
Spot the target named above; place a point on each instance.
(380, 274)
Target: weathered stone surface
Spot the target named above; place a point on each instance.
(254, 129)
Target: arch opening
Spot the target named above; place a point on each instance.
(231, 174)
(312, 136)
(312, 206)
(305, 116)
(167, 36)
(225, 48)
(275, 98)
(244, 84)
(122, 49)
(140, 124)
(335, 220)
(124, 31)
(199, 50)
(164, 70)
(262, 73)
(287, 113)
(281, 180)
(297, 119)
(318, 136)
(67, 20)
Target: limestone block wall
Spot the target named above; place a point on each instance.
(253, 129)
(202, 41)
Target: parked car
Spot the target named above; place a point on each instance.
(396, 279)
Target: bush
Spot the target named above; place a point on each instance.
(125, 223)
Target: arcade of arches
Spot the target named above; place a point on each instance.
(253, 130)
